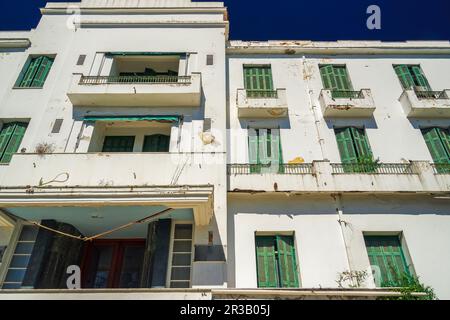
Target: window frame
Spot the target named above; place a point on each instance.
(24, 70)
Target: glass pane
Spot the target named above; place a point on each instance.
(19, 261)
(181, 259)
(183, 231)
(103, 267)
(24, 247)
(130, 275)
(15, 275)
(179, 284)
(182, 246)
(181, 273)
(28, 233)
(11, 286)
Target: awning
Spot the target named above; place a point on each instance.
(133, 118)
(145, 54)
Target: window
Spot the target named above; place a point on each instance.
(35, 72)
(336, 79)
(118, 144)
(156, 143)
(412, 77)
(114, 263)
(354, 148)
(180, 270)
(438, 142)
(11, 135)
(264, 147)
(258, 81)
(20, 258)
(385, 252)
(276, 262)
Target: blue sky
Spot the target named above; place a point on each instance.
(299, 19)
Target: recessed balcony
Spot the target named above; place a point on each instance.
(418, 103)
(136, 91)
(337, 103)
(262, 103)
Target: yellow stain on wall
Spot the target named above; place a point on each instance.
(297, 160)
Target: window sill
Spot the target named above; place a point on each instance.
(20, 88)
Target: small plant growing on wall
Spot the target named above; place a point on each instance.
(44, 148)
(353, 279)
(410, 284)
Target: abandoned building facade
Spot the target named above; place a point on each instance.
(141, 145)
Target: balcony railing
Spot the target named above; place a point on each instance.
(441, 168)
(376, 168)
(346, 94)
(97, 80)
(246, 168)
(257, 94)
(422, 95)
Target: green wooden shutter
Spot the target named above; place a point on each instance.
(42, 72)
(404, 76)
(342, 78)
(263, 141)
(253, 150)
(434, 143)
(444, 134)
(156, 143)
(5, 136)
(29, 75)
(118, 144)
(328, 79)
(258, 81)
(361, 143)
(287, 262)
(14, 142)
(421, 80)
(266, 262)
(345, 144)
(386, 253)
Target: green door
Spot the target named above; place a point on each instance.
(11, 136)
(156, 143)
(385, 252)
(276, 262)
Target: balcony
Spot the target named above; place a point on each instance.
(323, 176)
(419, 103)
(136, 91)
(347, 103)
(262, 103)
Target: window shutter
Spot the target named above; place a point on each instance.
(29, 75)
(386, 253)
(267, 78)
(328, 79)
(275, 146)
(266, 262)
(253, 146)
(287, 262)
(5, 136)
(156, 143)
(258, 78)
(342, 78)
(262, 146)
(14, 142)
(361, 142)
(422, 81)
(42, 72)
(404, 76)
(435, 145)
(445, 137)
(345, 145)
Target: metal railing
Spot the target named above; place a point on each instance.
(96, 80)
(346, 94)
(376, 168)
(441, 168)
(247, 168)
(431, 94)
(257, 94)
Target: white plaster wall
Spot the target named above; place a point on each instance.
(298, 133)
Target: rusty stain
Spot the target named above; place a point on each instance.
(289, 51)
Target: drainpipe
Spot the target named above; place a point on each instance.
(313, 107)
(338, 200)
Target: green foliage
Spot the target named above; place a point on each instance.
(408, 285)
(355, 279)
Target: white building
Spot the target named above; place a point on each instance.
(118, 119)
